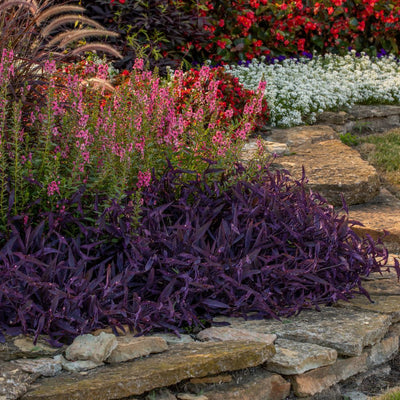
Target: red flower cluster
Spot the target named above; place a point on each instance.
(243, 29)
(231, 93)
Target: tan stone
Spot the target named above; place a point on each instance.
(212, 380)
(224, 333)
(173, 339)
(160, 370)
(379, 214)
(332, 169)
(129, 347)
(317, 380)
(384, 286)
(383, 351)
(302, 136)
(296, 358)
(347, 331)
(93, 348)
(189, 396)
(250, 149)
(389, 305)
(266, 386)
(23, 347)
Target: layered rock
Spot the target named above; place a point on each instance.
(334, 169)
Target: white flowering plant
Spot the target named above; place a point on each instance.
(299, 89)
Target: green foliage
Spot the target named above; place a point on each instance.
(349, 139)
(387, 150)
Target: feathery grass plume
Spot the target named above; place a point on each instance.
(90, 47)
(32, 5)
(97, 83)
(50, 12)
(83, 34)
(68, 19)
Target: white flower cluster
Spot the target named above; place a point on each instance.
(297, 91)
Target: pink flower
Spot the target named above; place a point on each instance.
(144, 179)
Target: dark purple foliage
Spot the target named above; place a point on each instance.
(203, 247)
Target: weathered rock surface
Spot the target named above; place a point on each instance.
(93, 348)
(379, 214)
(302, 136)
(13, 381)
(218, 379)
(129, 347)
(77, 366)
(347, 331)
(189, 396)
(134, 378)
(172, 339)
(317, 380)
(332, 169)
(296, 358)
(382, 351)
(262, 386)
(226, 333)
(389, 305)
(41, 366)
(362, 119)
(251, 150)
(23, 347)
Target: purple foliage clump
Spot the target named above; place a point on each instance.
(203, 247)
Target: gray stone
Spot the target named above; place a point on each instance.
(23, 347)
(347, 331)
(77, 366)
(355, 395)
(383, 351)
(345, 173)
(302, 136)
(296, 358)
(389, 305)
(130, 347)
(173, 339)
(13, 381)
(41, 366)
(93, 348)
(226, 333)
(160, 370)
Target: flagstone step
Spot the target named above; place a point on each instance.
(347, 331)
(380, 214)
(160, 370)
(333, 169)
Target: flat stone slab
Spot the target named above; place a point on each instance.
(23, 347)
(296, 358)
(332, 169)
(347, 331)
(160, 370)
(130, 347)
(302, 136)
(317, 380)
(389, 305)
(378, 111)
(379, 214)
(258, 386)
(223, 333)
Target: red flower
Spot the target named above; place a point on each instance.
(221, 23)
